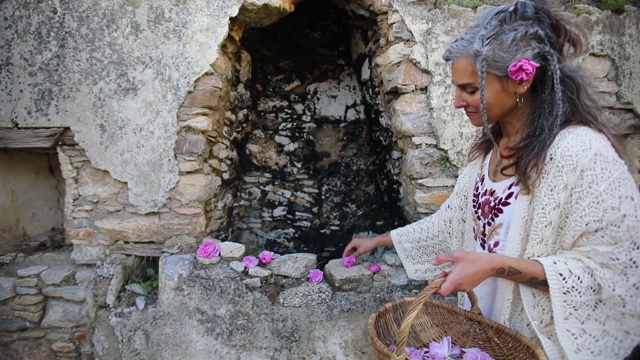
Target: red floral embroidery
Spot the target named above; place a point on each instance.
(488, 205)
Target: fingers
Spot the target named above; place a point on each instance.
(355, 248)
(446, 288)
(348, 250)
(444, 258)
(441, 275)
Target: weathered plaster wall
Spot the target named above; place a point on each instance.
(115, 72)
(30, 194)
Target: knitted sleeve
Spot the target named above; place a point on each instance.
(421, 241)
(594, 271)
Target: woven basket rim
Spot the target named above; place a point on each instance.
(382, 348)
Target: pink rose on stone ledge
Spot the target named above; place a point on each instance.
(266, 257)
(374, 268)
(348, 261)
(208, 250)
(315, 276)
(249, 262)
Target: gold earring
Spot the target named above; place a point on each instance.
(520, 99)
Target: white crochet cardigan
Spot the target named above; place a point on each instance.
(582, 223)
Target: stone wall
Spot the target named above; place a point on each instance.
(46, 308)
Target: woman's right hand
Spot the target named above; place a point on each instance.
(360, 246)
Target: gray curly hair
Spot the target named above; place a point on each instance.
(561, 96)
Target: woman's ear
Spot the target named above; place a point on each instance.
(522, 86)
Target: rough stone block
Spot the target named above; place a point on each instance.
(7, 288)
(437, 197)
(12, 325)
(203, 98)
(597, 66)
(73, 293)
(293, 265)
(28, 299)
(22, 282)
(392, 258)
(97, 183)
(357, 277)
(191, 144)
(253, 283)
(31, 271)
(24, 290)
(206, 261)
(83, 254)
(150, 228)
(231, 250)
(63, 314)
(57, 274)
(307, 294)
(411, 116)
(259, 272)
(32, 334)
(84, 276)
(199, 123)
(174, 267)
(30, 308)
(29, 316)
(29, 349)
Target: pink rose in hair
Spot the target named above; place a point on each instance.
(266, 257)
(208, 250)
(348, 261)
(523, 69)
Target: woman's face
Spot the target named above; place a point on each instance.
(500, 95)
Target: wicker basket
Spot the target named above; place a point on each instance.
(416, 322)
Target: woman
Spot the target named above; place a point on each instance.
(544, 221)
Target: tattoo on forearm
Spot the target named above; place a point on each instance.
(535, 283)
(511, 272)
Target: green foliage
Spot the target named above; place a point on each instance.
(152, 280)
(146, 274)
(578, 11)
(445, 162)
(464, 3)
(613, 5)
(471, 3)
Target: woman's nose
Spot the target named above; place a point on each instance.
(459, 103)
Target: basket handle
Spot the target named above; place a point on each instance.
(415, 307)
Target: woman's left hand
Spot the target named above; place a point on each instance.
(468, 271)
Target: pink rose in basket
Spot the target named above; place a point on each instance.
(523, 69)
(475, 354)
(374, 268)
(250, 262)
(442, 350)
(315, 276)
(266, 257)
(208, 250)
(348, 261)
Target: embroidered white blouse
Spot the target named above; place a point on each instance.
(493, 207)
